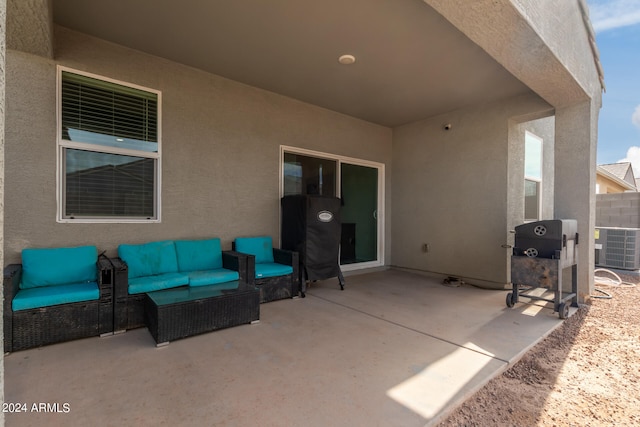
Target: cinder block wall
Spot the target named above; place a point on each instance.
(618, 210)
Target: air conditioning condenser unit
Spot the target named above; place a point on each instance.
(618, 248)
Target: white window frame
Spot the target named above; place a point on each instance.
(381, 195)
(63, 144)
(537, 180)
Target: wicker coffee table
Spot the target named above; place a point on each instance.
(182, 312)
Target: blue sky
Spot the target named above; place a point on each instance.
(617, 26)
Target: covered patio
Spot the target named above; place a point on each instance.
(433, 108)
(394, 348)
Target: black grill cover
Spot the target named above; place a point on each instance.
(311, 226)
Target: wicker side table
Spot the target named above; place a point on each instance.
(182, 312)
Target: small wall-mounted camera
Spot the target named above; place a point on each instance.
(447, 126)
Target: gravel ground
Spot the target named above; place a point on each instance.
(585, 373)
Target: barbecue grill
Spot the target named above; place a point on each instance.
(542, 252)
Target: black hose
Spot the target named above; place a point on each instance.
(605, 296)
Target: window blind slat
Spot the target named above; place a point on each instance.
(109, 109)
(100, 184)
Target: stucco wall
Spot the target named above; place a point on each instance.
(3, 16)
(561, 25)
(220, 147)
(546, 45)
(452, 191)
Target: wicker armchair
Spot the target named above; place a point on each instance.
(274, 271)
(48, 324)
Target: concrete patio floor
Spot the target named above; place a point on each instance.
(393, 349)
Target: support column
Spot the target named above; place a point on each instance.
(3, 44)
(575, 180)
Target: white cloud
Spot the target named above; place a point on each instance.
(633, 156)
(611, 14)
(635, 117)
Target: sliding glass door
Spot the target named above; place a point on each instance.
(357, 183)
(309, 175)
(359, 213)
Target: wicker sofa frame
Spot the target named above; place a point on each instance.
(277, 287)
(129, 309)
(36, 327)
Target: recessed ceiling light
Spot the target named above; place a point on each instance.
(347, 59)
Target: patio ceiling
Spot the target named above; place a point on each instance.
(410, 62)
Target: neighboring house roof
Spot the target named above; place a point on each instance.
(621, 173)
(620, 170)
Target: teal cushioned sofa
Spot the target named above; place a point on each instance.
(154, 266)
(55, 295)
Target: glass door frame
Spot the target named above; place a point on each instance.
(353, 161)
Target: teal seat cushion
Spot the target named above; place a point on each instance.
(194, 255)
(261, 247)
(272, 269)
(139, 285)
(150, 258)
(212, 277)
(58, 266)
(47, 296)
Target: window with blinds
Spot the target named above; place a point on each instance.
(532, 177)
(108, 150)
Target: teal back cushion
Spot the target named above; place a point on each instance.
(150, 258)
(196, 255)
(261, 247)
(58, 266)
